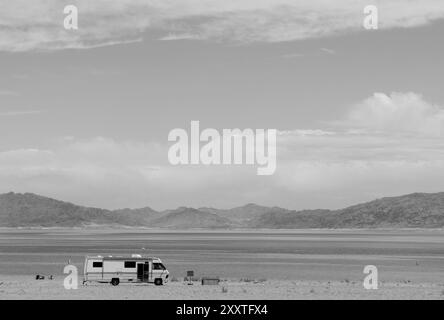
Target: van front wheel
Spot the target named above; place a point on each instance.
(158, 282)
(115, 281)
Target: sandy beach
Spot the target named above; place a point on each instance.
(25, 287)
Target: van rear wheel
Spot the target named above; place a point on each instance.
(115, 281)
(158, 282)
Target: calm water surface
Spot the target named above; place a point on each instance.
(415, 255)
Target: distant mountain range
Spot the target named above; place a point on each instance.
(417, 210)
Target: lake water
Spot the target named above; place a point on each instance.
(402, 255)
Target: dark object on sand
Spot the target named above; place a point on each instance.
(210, 281)
(39, 277)
(190, 275)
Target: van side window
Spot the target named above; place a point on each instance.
(97, 264)
(130, 264)
(158, 266)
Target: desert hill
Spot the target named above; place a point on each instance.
(417, 210)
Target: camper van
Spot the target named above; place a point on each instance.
(130, 269)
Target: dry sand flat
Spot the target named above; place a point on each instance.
(25, 287)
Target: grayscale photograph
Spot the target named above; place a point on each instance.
(223, 150)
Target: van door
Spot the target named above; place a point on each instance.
(142, 271)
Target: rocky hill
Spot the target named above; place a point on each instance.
(417, 210)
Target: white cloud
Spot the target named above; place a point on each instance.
(400, 113)
(328, 51)
(306, 132)
(38, 24)
(385, 145)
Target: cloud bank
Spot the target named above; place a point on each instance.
(398, 113)
(38, 24)
(386, 144)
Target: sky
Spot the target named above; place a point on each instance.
(85, 114)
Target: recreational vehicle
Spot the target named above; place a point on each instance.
(132, 269)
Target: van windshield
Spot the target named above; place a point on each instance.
(158, 266)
